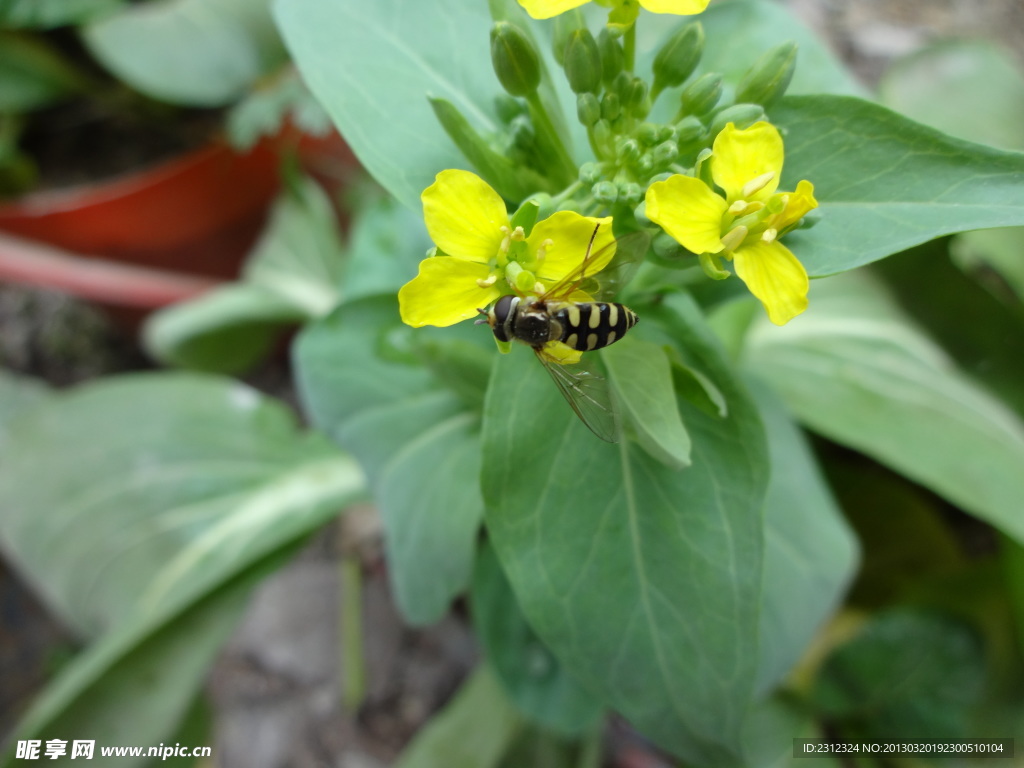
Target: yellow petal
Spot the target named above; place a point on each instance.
(773, 274)
(689, 210)
(570, 234)
(444, 292)
(741, 156)
(680, 7)
(800, 202)
(464, 215)
(545, 9)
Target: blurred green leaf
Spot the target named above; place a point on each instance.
(151, 543)
(388, 242)
(360, 382)
(473, 731)
(643, 581)
(810, 552)
(373, 65)
(18, 395)
(971, 89)
(44, 14)
(33, 74)
(642, 375)
(999, 249)
(769, 731)
(886, 183)
(269, 107)
(853, 369)
(906, 675)
(292, 274)
(199, 53)
(532, 677)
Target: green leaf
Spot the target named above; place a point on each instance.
(967, 88)
(201, 53)
(642, 375)
(768, 736)
(905, 675)
(473, 731)
(418, 443)
(387, 243)
(533, 678)
(33, 74)
(142, 508)
(615, 558)
(292, 274)
(810, 552)
(854, 370)
(44, 14)
(227, 330)
(373, 65)
(18, 395)
(886, 183)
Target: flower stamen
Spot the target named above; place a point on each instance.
(758, 183)
(734, 238)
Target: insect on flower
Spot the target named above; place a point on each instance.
(572, 317)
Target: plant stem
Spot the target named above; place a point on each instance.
(353, 671)
(629, 47)
(549, 140)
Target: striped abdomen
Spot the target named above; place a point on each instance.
(593, 325)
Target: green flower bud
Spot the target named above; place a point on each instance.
(627, 150)
(637, 103)
(645, 165)
(565, 24)
(622, 84)
(613, 58)
(515, 59)
(611, 107)
(590, 173)
(603, 137)
(701, 96)
(665, 153)
(679, 56)
(508, 107)
(649, 133)
(605, 192)
(689, 129)
(630, 192)
(742, 115)
(582, 62)
(767, 80)
(588, 109)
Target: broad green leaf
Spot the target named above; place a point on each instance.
(973, 90)
(373, 65)
(18, 395)
(33, 74)
(853, 369)
(810, 552)
(970, 89)
(768, 736)
(643, 581)
(905, 675)
(143, 508)
(54, 13)
(418, 443)
(532, 677)
(387, 243)
(200, 53)
(886, 183)
(473, 731)
(227, 330)
(292, 274)
(642, 375)
(119, 494)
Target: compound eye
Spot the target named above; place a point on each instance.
(502, 309)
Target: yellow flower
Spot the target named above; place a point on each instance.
(624, 11)
(480, 256)
(744, 226)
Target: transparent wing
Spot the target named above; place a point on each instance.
(588, 394)
(629, 252)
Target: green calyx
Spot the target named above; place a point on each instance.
(515, 60)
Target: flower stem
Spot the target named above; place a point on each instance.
(629, 47)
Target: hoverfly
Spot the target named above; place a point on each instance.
(538, 321)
